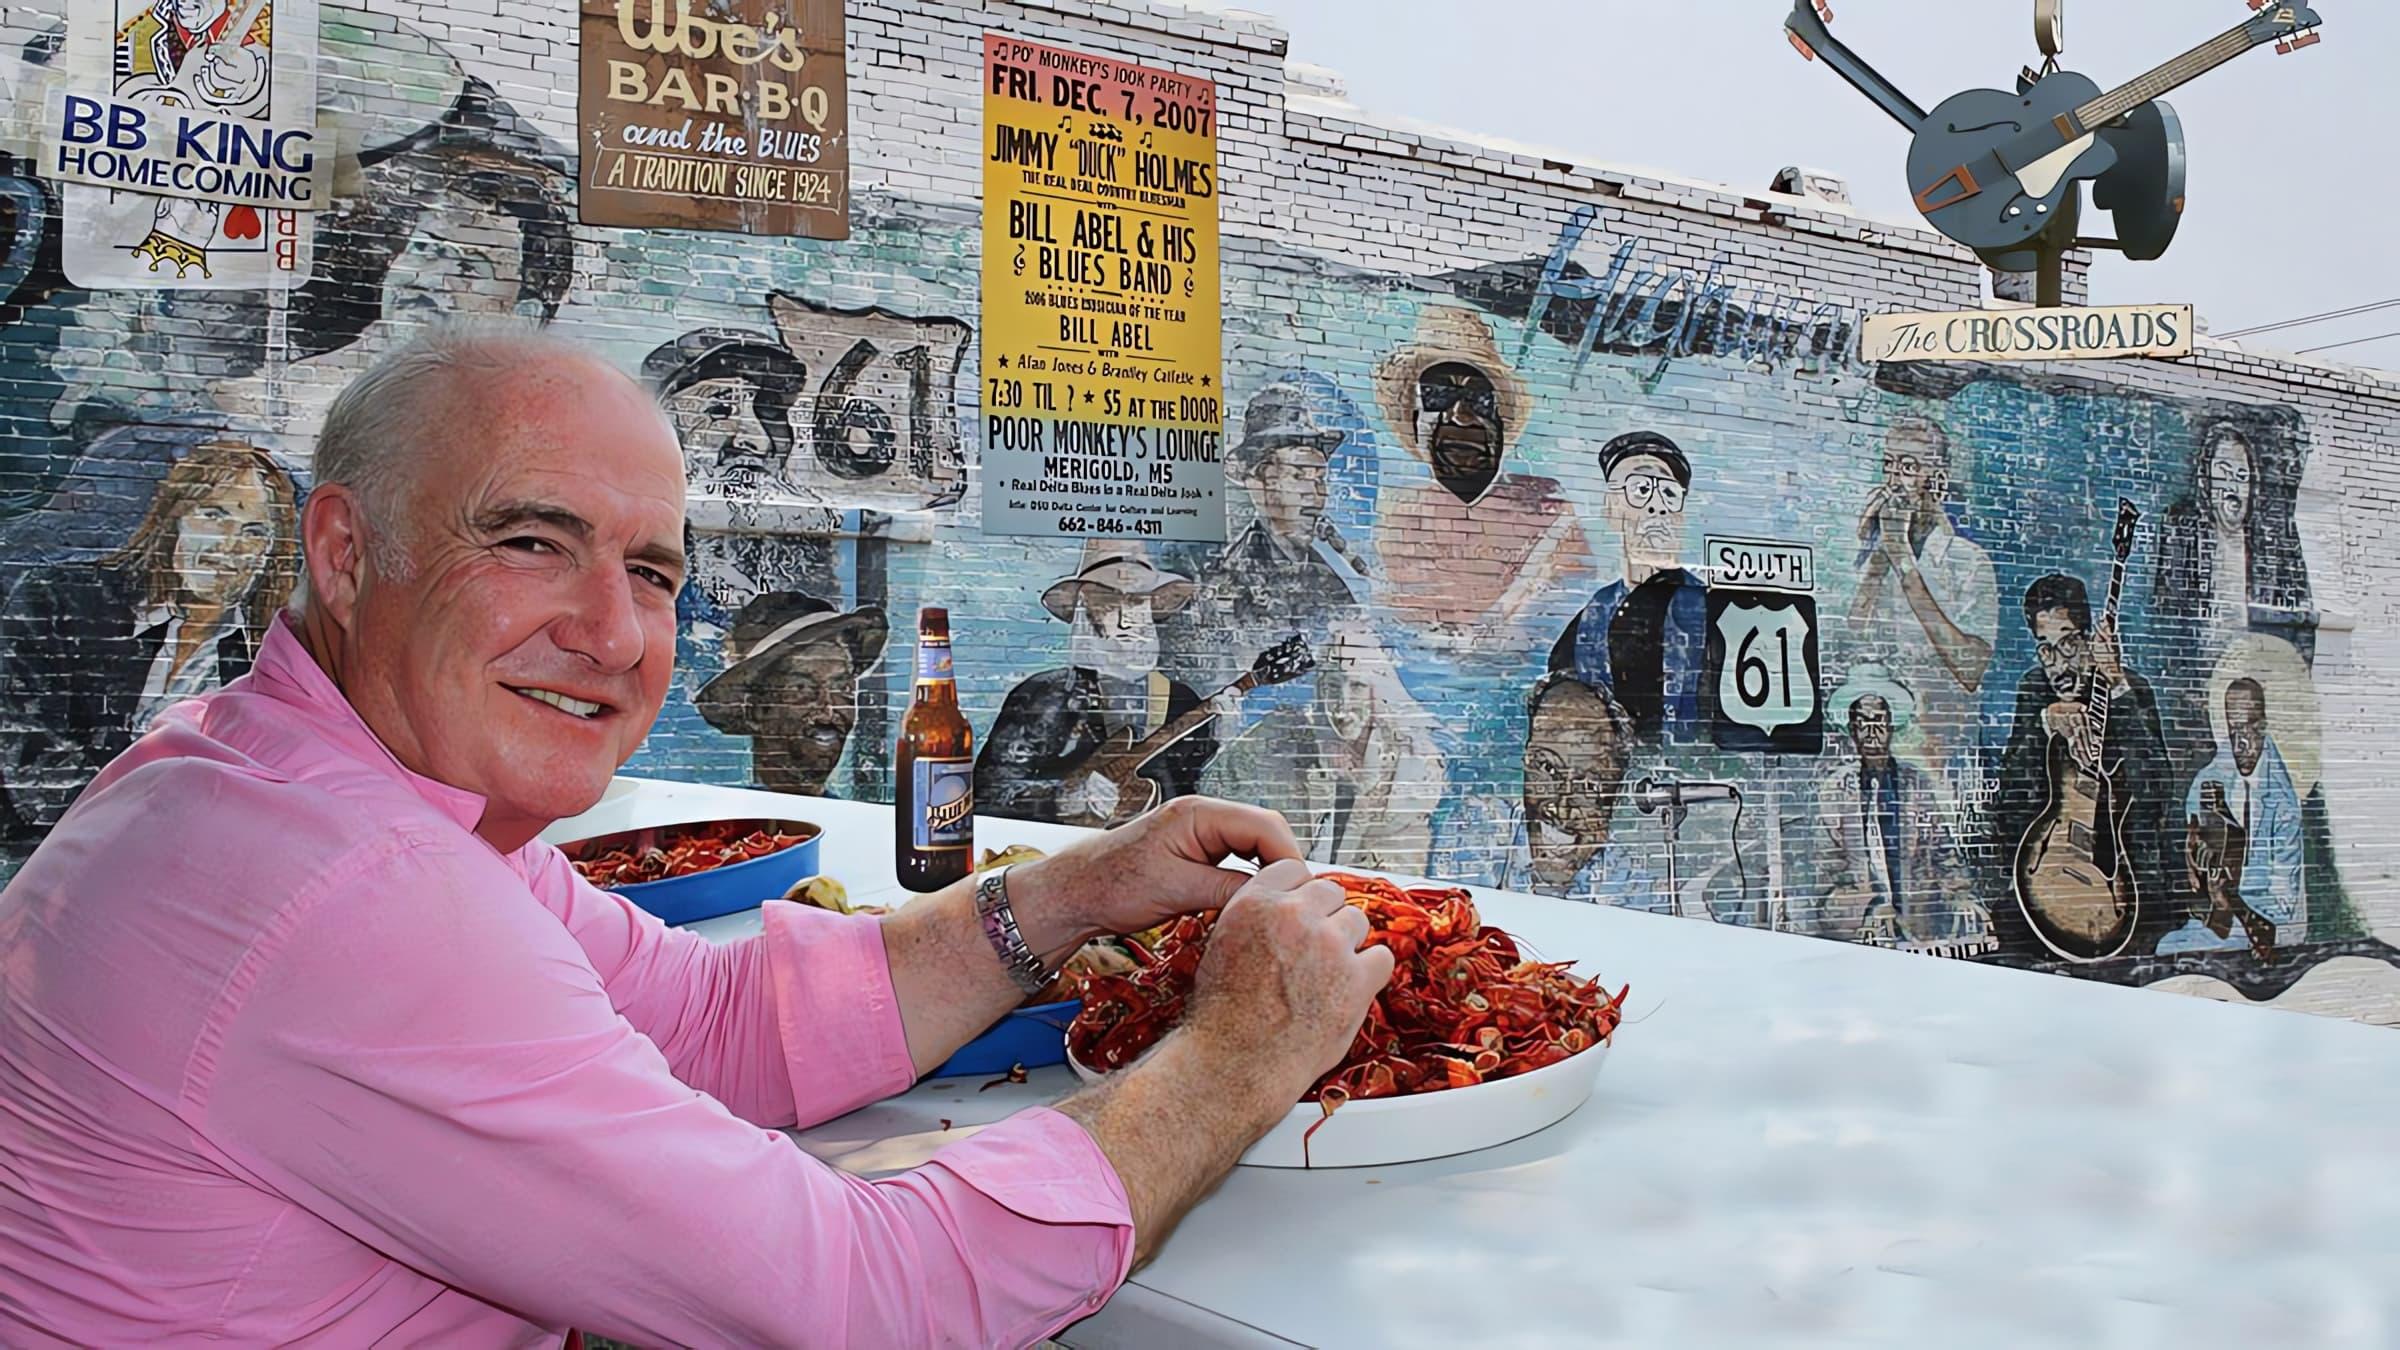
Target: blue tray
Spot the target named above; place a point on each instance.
(719, 890)
(1035, 1037)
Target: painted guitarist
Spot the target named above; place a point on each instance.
(1036, 761)
(2083, 788)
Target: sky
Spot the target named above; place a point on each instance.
(2289, 212)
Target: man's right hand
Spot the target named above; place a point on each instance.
(1277, 1001)
(1284, 986)
(2067, 720)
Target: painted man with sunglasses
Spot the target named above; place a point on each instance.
(1644, 637)
(1928, 604)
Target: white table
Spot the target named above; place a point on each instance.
(1795, 1142)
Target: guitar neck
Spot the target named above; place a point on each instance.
(1817, 41)
(2173, 75)
(2096, 699)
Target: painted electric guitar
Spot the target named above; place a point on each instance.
(2079, 907)
(1122, 757)
(1991, 168)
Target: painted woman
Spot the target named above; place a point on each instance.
(90, 652)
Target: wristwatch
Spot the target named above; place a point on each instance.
(1000, 928)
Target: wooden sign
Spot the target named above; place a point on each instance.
(2030, 334)
(735, 117)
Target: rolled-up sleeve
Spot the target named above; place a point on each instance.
(428, 1062)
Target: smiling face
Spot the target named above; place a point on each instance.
(2228, 480)
(528, 646)
(1459, 424)
(222, 541)
(1645, 505)
(807, 712)
(198, 16)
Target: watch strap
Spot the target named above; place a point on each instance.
(1000, 929)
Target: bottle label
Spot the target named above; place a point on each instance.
(945, 798)
(933, 660)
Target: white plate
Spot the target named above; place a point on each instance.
(1385, 1130)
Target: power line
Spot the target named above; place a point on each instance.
(2310, 318)
(2354, 342)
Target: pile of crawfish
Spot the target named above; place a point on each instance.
(681, 850)
(1464, 1005)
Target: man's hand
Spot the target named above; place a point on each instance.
(1099, 797)
(1278, 999)
(1152, 868)
(1284, 983)
(2065, 719)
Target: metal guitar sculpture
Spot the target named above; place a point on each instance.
(1121, 758)
(2074, 880)
(1994, 169)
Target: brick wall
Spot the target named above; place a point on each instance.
(1583, 302)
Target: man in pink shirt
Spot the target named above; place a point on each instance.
(305, 1037)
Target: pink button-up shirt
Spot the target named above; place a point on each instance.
(288, 1055)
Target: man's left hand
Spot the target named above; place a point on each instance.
(2107, 660)
(1155, 867)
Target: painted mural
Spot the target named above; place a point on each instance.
(1589, 574)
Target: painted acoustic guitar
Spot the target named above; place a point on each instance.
(1993, 168)
(2217, 852)
(2078, 908)
(1122, 758)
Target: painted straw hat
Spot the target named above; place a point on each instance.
(1871, 678)
(1446, 333)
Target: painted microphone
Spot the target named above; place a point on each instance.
(1650, 794)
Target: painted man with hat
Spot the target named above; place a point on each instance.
(729, 393)
(1889, 868)
(1644, 636)
(1455, 404)
(791, 685)
(1279, 576)
(1036, 762)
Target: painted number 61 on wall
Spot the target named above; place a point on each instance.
(1759, 688)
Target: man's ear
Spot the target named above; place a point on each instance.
(333, 533)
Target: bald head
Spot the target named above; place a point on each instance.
(494, 550)
(403, 428)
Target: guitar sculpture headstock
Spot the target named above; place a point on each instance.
(2289, 27)
(1284, 662)
(2127, 518)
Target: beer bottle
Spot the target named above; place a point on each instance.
(933, 836)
